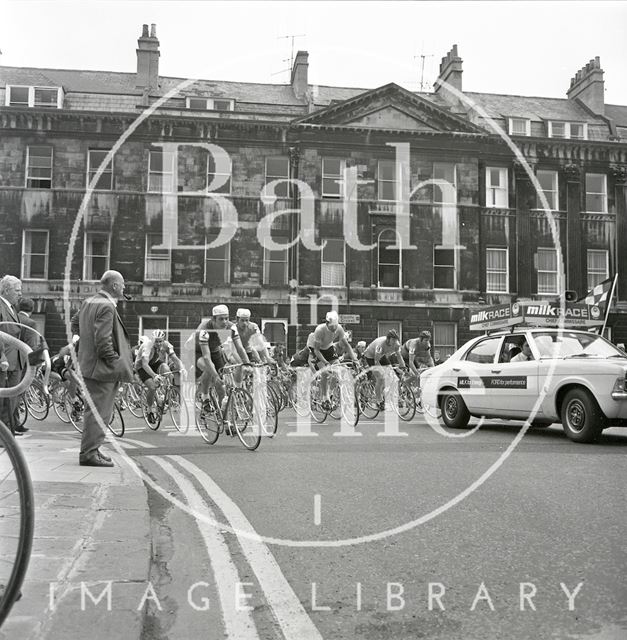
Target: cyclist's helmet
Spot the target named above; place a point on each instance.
(392, 335)
(158, 334)
(425, 334)
(362, 344)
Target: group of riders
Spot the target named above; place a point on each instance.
(218, 341)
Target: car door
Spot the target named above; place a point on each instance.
(473, 374)
(513, 385)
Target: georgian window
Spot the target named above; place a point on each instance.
(444, 268)
(446, 191)
(275, 267)
(278, 168)
(496, 187)
(96, 254)
(444, 339)
(95, 158)
(386, 180)
(389, 260)
(217, 262)
(30, 96)
(161, 171)
(219, 174)
(548, 184)
(333, 266)
(519, 126)
(497, 270)
(158, 263)
(547, 270)
(596, 193)
(568, 130)
(598, 267)
(333, 178)
(211, 104)
(39, 167)
(35, 254)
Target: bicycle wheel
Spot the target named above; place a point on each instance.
(208, 421)
(240, 413)
(116, 424)
(134, 397)
(367, 399)
(38, 402)
(404, 402)
(57, 397)
(298, 398)
(154, 415)
(318, 412)
(266, 411)
(349, 404)
(17, 520)
(178, 410)
(74, 411)
(21, 412)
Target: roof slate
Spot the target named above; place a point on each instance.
(267, 95)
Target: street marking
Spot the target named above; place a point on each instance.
(317, 516)
(285, 605)
(238, 623)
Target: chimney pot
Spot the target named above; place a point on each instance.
(588, 86)
(148, 60)
(451, 74)
(299, 79)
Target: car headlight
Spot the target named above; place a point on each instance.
(619, 392)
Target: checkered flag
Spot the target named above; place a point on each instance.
(599, 295)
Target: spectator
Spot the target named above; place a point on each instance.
(10, 293)
(524, 355)
(104, 357)
(32, 339)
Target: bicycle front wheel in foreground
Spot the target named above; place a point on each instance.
(116, 424)
(241, 416)
(17, 520)
(178, 410)
(207, 420)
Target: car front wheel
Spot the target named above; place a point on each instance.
(582, 419)
(454, 411)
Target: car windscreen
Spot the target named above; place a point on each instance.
(573, 344)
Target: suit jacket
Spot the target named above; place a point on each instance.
(32, 339)
(104, 353)
(16, 358)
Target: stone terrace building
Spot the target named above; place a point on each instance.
(371, 153)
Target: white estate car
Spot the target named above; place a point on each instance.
(579, 378)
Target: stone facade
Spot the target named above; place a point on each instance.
(364, 129)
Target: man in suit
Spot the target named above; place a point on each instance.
(10, 293)
(104, 358)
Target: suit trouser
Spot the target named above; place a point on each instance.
(103, 397)
(8, 405)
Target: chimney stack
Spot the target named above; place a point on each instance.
(148, 59)
(299, 80)
(451, 73)
(588, 86)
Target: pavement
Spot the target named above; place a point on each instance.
(92, 538)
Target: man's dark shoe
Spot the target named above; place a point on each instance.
(94, 460)
(103, 456)
(21, 430)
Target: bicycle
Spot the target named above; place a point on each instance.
(343, 397)
(237, 418)
(268, 405)
(17, 503)
(167, 398)
(75, 410)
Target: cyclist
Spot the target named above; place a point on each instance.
(360, 349)
(383, 351)
(151, 362)
(418, 352)
(62, 368)
(302, 356)
(320, 344)
(252, 341)
(211, 334)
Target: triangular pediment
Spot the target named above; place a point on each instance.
(390, 107)
(391, 117)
